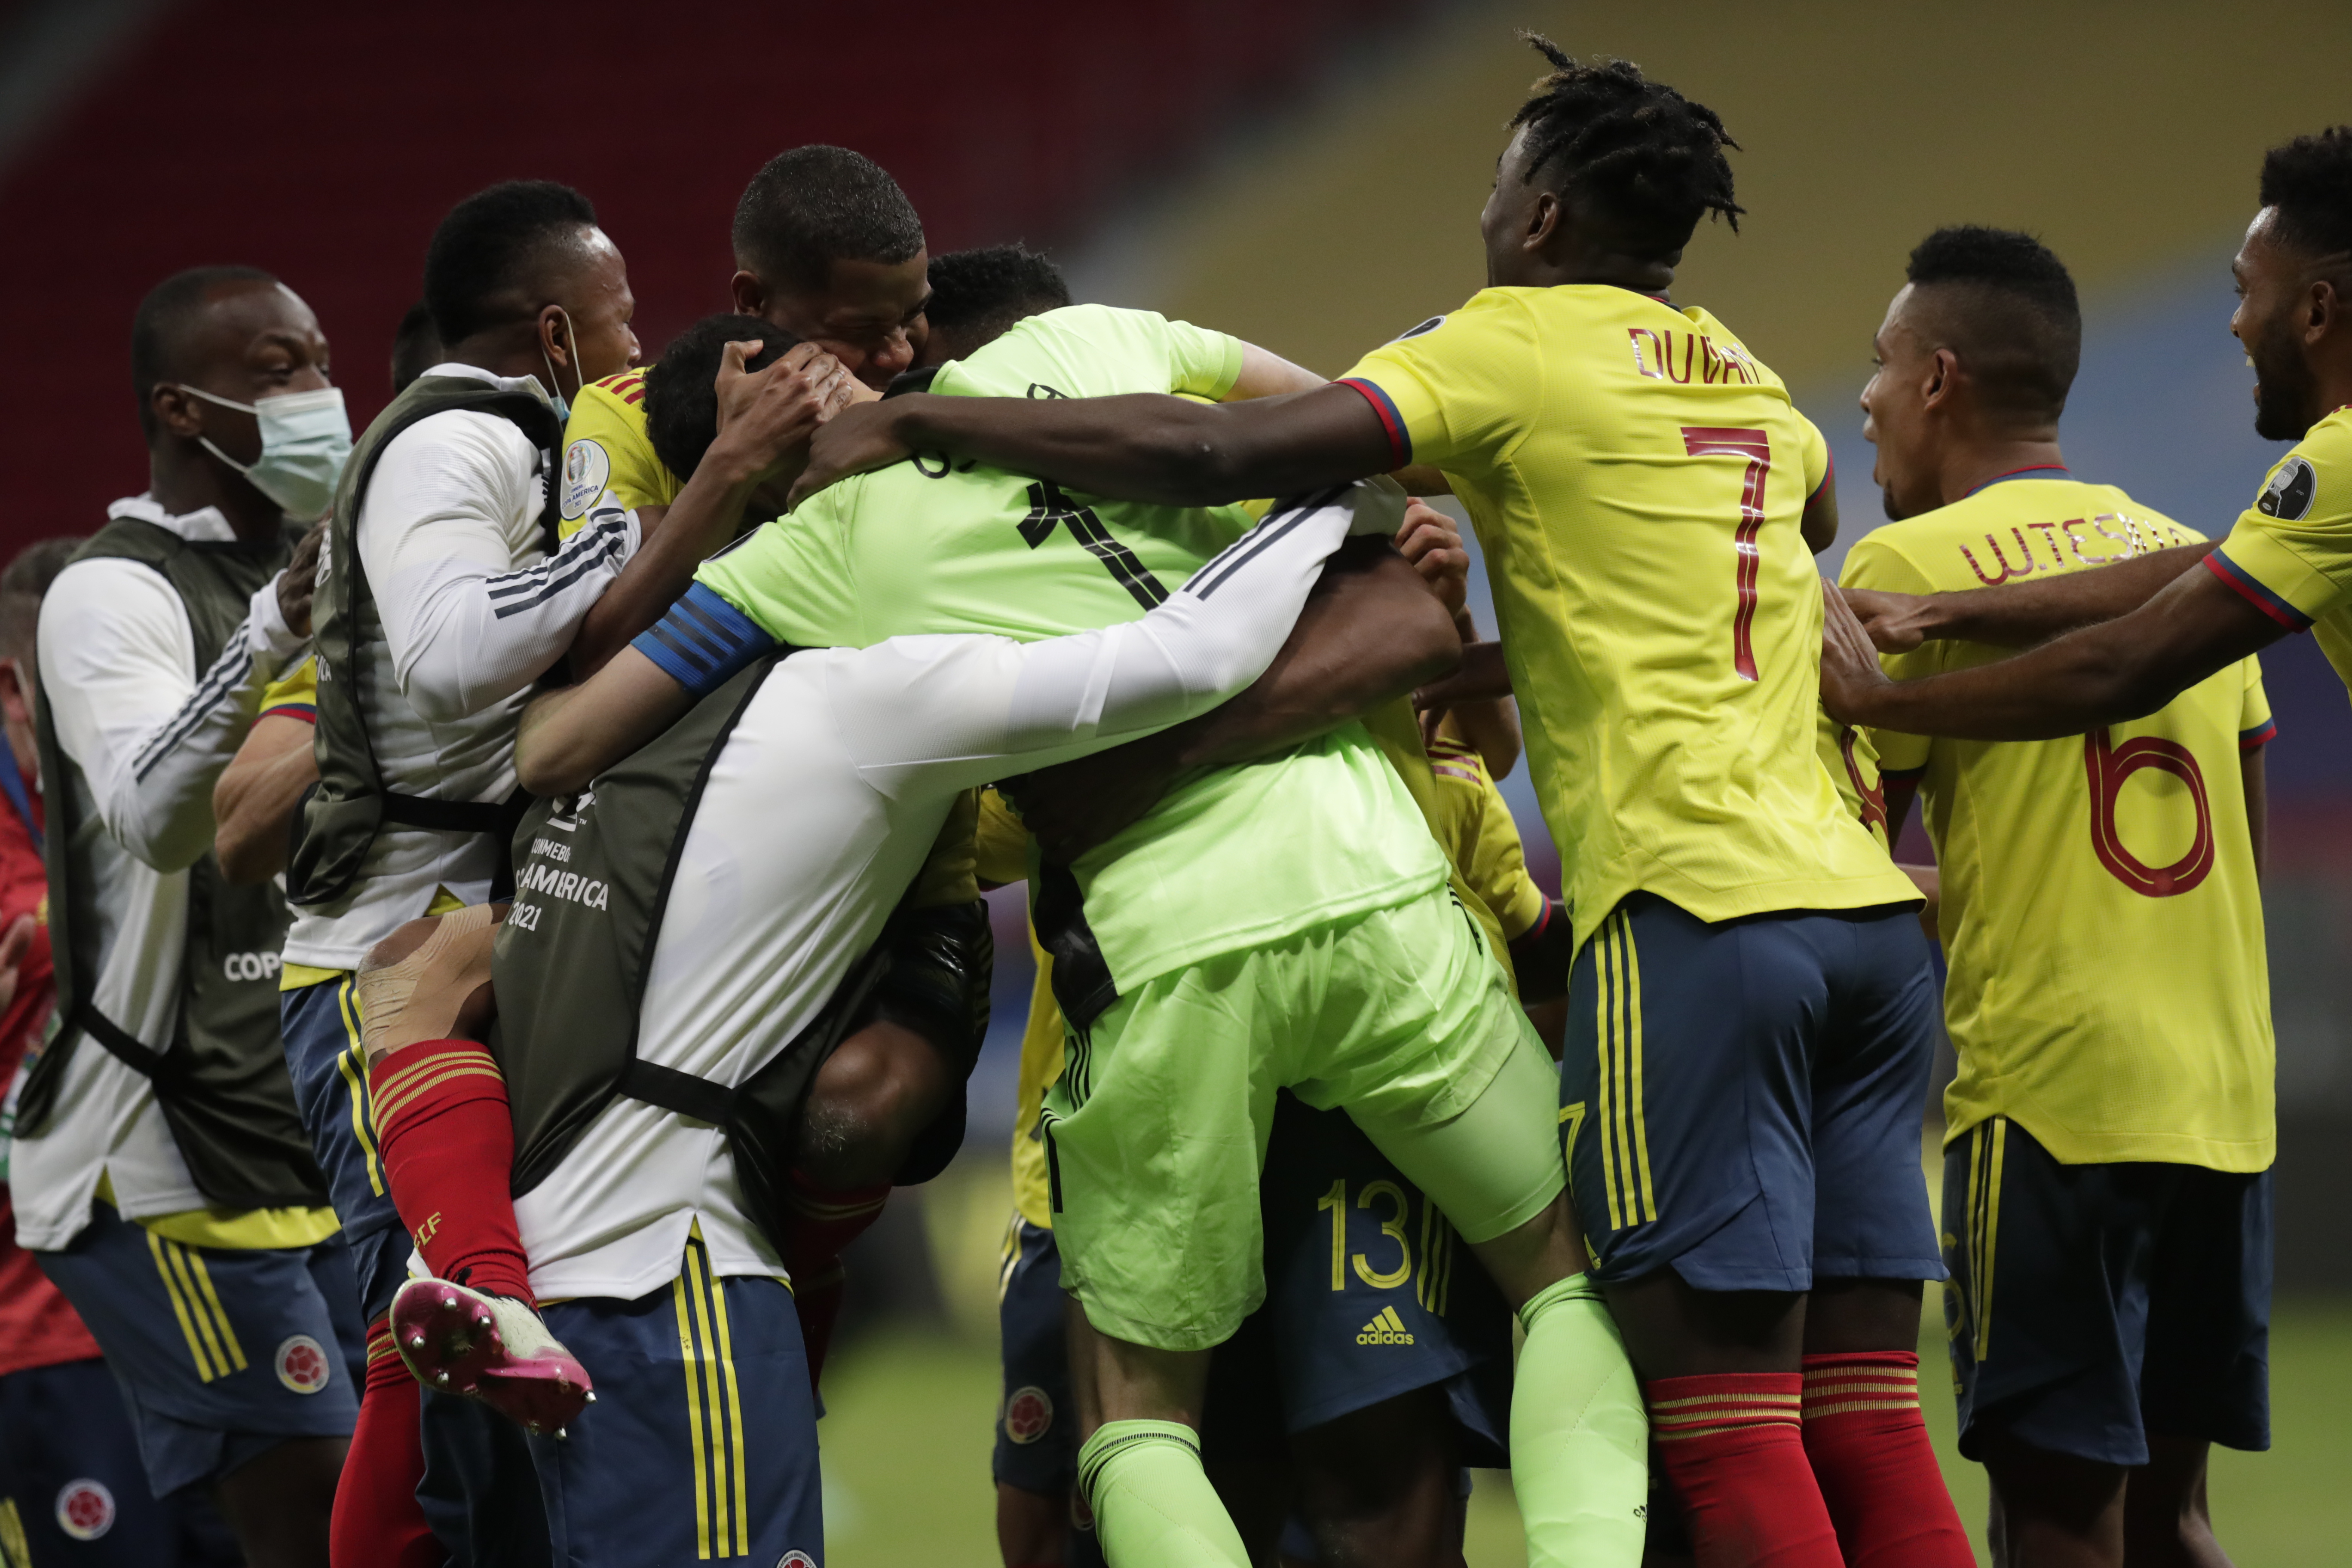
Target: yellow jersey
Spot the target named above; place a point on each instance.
(1851, 759)
(1474, 827)
(2101, 916)
(2291, 551)
(294, 694)
(607, 455)
(1637, 478)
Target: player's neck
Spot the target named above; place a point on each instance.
(1968, 468)
(185, 479)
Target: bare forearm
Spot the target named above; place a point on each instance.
(254, 805)
(1143, 448)
(2021, 615)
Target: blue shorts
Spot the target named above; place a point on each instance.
(221, 1353)
(322, 1027)
(2091, 1305)
(70, 1462)
(1368, 1297)
(1741, 1101)
(702, 1441)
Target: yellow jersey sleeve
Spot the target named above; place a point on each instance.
(2290, 554)
(1453, 392)
(1480, 837)
(1820, 469)
(295, 693)
(2255, 725)
(608, 454)
(1875, 563)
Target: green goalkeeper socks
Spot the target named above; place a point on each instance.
(1580, 1438)
(1152, 1503)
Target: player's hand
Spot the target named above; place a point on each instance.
(13, 947)
(1897, 622)
(855, 441)
(766, 417)
(300, 580)
(1849, 663)
(1431, 541)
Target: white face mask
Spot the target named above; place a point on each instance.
(306, 439)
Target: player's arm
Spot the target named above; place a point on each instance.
(2255, 776)
(1370, 632)
(150, 735)
(1144, 446)
(255, 800)
(1819, 525)
(951, 713)
(2021, 614)
(567, 737)
(2103, 674)
(765, 419)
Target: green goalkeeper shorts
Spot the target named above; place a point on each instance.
(1156, 1129)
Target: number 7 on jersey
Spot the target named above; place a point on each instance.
(1724, 441)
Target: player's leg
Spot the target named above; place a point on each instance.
(1037, 1457)
(1244, 1444)
(2205, 1377)
(1873, 1243)
(69, 1461)
(230, 1364)
(376, 1517)
(2048, 1309)
(1389, 1346)
(1421, 1043)
(702, 1443)
(1153, 1137)
(1686, 1102)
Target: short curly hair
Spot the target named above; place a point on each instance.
(2309, 182)
(2010, 311)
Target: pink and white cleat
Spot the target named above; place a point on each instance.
(490, 1348)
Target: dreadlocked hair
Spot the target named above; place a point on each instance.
(1649, 160)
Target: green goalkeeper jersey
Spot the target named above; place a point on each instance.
(1231, 858)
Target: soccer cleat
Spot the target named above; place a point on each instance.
(491, 1349)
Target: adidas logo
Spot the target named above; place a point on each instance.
(1388, 1329)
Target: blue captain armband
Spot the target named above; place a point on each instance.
(703, 640)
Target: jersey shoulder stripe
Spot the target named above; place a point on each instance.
(2256, 594)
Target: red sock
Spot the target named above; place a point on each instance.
(447, 1140)
(818, 1225)
(1730, 1444)
(378, 1522)
(1877, 1472)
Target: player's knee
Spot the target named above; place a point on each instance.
(874, 1096)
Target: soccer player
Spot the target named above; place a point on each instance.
(449, 596)
(2161, 624)
(1750, 1023)
(1260, 881)
(71, 1490)
(2109, 1244)
(978, 295)
(737, 927)
(828, 249)
(160, 1171)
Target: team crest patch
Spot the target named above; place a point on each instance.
(2291, 490)
(85, 1509)
(796, 1559)
(585, 469)
(1028, 1415)
(1430, 325)
(302, 1364)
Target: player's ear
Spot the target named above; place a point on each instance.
(1943, 377)
(1544, 219)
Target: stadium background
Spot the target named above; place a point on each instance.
(1305, 174)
